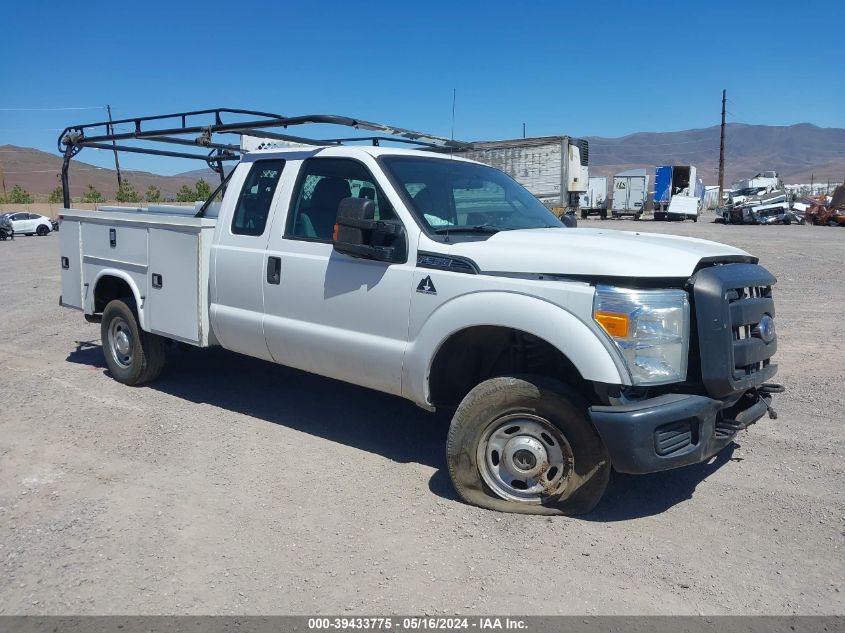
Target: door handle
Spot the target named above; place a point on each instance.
(274, 270)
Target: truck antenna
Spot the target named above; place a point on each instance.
(454, 98)
(722, 149)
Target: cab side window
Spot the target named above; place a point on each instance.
(253, 206)
(322, 184)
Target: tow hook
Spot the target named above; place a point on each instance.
(770, 388)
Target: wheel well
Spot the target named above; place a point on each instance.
(475, 354)
(110, 288)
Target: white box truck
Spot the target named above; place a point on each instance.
(630, 192)
(562, 351)
(594, 200)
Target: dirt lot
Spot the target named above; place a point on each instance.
(236, 486)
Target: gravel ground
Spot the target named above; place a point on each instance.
(235, 486)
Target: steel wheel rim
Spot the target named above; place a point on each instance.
(524, 458)
(121, 342)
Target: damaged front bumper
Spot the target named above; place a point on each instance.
(675, 430)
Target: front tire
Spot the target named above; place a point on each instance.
(526, 445)
(132, 355)
(42, 231)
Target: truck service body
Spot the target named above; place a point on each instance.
(441, 280)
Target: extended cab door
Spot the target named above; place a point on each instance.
(237, 257)
(329, 313)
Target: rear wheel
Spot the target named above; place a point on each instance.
(526, 445)
(132, 355)
(42, 231)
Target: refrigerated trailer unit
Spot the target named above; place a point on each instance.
(678, 192)
(553, 168)
(630, 192)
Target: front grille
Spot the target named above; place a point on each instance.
(748, 306)
(730, 301)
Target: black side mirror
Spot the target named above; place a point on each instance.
(569, 220)
(358, 234)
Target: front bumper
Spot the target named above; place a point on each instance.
(673, 430)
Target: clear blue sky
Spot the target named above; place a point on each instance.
(581, 68)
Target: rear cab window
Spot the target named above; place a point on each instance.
(253, 206)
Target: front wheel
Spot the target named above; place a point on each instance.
(132, 355)
(526, 445)
(42, 231)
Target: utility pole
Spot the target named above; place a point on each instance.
(3, 180)
(523, 130)
(722, 149)
(116, 161)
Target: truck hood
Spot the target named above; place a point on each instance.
(592, 252)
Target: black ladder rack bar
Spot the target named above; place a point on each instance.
(74, 138)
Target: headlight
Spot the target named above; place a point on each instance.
(650, 328)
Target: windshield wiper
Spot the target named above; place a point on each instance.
(479, 228)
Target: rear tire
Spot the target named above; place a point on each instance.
(526, 445)
(132, 355)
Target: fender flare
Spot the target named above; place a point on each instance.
(588, 348)
(124, 276)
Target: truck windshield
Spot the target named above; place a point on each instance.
(453, 196)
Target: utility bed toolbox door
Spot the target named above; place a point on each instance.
(172, 304)
(70, 262)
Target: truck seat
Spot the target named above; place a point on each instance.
(322, 213)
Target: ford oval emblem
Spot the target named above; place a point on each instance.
(766, 327)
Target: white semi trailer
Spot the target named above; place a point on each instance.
(553, 168)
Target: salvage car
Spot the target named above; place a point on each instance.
(6, 229)
(563, 352)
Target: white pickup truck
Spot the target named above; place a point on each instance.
(564, 351)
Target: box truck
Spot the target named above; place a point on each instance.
(594, 200)
(630, 192)
(678, 192)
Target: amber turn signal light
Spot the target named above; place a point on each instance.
(614, 324)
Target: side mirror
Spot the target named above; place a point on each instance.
(358, 234)
(569, 220)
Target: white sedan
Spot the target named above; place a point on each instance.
(30, 223)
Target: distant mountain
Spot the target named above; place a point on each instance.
(40, 172)
(796, 152)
